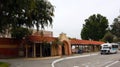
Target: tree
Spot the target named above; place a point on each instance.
(19, 33)
(25, 13)
(115, 27)
(94, 28)
(108, 37)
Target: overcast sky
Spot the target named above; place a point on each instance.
(70, 14)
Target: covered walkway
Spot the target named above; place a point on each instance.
(79, 46)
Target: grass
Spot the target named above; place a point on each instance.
(3, 64)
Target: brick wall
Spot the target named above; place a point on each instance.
(9, 47)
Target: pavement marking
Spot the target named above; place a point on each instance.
(75, 66)
(61, 59)
(86, 64)
(112, 64)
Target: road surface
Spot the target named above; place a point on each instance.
(111, 60)
(87, 60)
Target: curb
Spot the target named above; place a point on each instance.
(44, 58)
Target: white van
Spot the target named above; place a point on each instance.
(108, 48)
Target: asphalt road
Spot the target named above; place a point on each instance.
(87, 60)
(32, 62)
(111, 60)
(115, 65)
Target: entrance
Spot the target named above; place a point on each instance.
(46, 50)
(38, 50)
(41, 50)
(65, 48)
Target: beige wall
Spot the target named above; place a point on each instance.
(43, 33)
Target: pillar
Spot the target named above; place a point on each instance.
(34, 50)
(40, 50)
(59, 50)
(26, 51)
(70, 49)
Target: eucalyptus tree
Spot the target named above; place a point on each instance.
(95, 27)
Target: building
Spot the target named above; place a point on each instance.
(45, 46)
(43, 33)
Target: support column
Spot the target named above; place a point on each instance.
(59, 50)
(34, 50)
(26, 51)
(95, 48)
(70, 51)
(82, 49)
(90, 48)
(40, 50)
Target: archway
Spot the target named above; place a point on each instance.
(65, 48)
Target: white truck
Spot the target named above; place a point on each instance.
(108, 48)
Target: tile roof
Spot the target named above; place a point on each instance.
(40, 39)
(9, 41)
(85, 42)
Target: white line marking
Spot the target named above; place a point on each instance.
(58, 60)
(75, 66)
(112, 64)
(107, 62)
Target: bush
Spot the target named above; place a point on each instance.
(3, 64)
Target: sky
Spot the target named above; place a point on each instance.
(70, 14)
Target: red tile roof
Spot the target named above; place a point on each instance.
(40, 39)
(85, 42)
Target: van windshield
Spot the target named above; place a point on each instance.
(106, 47)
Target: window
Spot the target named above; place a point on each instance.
(114, 46)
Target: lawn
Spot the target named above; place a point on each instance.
(3, 64)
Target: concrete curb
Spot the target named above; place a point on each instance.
(44, 58)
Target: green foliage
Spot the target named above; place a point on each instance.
(94, 28)
(20, 32)
(3, 64)
(116, 27)
(108, 37)
(116, 39)
(25, 13)
(85, 33)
